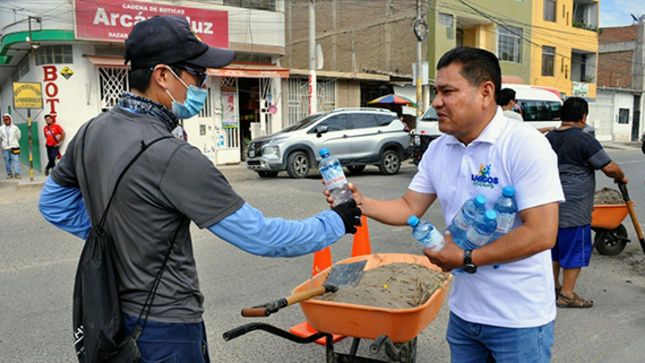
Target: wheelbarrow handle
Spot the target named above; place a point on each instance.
(273, 307)
(632, 214)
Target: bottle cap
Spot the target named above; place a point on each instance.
(480, 200)
(490, 215)
(323, 152)
(413, 221)
(508, 191)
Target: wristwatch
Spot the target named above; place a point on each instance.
(469, 266)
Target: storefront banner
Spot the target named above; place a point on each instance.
(112, 20)
(229, 119)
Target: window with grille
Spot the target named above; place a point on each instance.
(623, 116)
(549, 10)
(298, 98)
(252, 4)
(112, 81)
(548, 59)
(509, 44)
(54, 54)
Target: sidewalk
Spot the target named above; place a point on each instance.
(233, 173)
(621, 145)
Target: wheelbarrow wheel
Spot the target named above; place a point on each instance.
(611, 242)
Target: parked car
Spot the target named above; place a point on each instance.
(538, 106)
(357, 137)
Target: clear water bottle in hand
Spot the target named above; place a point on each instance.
(480, 233)
(465, 218)
(426, 233)
(506, 208)
(332, 173)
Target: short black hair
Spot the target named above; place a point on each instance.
(477, 66)
(140, 78)
(47, 115)
(506, 95)
(574, 109)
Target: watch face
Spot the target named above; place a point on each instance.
(470, 268)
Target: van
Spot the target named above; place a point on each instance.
(538, 106)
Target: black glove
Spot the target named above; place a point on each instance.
(350, 214)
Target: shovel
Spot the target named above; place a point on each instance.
(632, 214)
(341, 275)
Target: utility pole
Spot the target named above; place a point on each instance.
(419, 59)
(313, 97)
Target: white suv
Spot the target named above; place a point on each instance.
(357, 137)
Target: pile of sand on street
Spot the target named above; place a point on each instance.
(395, 286)
(607, 196)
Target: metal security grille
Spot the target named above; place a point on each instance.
(207, 111)
(298, 98)
(112, 81)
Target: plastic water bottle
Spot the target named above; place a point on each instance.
(506, 208)
(332, 173)
(426, 233)
(465, 218)
(480, 233)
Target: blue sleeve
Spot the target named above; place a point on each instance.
(65, 208)
(250, 231)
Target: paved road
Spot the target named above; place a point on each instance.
(38, 262)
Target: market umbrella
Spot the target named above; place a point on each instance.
(391, 99)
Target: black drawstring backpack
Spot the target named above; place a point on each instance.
(99, 326)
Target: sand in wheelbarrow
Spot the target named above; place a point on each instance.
(395, 286)
(607, 196)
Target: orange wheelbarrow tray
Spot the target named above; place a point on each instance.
(608, 216)
(359, 321)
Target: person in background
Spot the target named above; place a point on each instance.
(505, 314)
(507, 101)
(10, 137)
(171, 185)
(579, 156)
(55, 136)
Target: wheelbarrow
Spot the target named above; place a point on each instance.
(394, 330)
(606, 221)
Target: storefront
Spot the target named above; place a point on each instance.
(79, 62)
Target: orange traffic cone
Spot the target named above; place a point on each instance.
(361, 245)
(322, 260)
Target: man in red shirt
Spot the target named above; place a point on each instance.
(55, 136)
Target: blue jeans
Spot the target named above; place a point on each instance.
(170, 342)
(477, 343)
(11, 159)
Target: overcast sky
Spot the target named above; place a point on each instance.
(616, 12)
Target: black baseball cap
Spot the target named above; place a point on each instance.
(170, 40)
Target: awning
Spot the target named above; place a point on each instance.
(250, 70)
(106, 61)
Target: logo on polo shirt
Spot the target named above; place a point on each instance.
(483, 178)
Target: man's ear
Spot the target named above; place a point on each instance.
(160, 76)
(487, 91)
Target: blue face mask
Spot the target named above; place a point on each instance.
(195, 98)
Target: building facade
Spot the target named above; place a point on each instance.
(617, 112)
(76, 51)
(366, 49)
(501, 27)
(564, 46)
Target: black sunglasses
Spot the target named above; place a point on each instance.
(201, 76)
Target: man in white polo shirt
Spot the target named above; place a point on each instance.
(505, 314)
